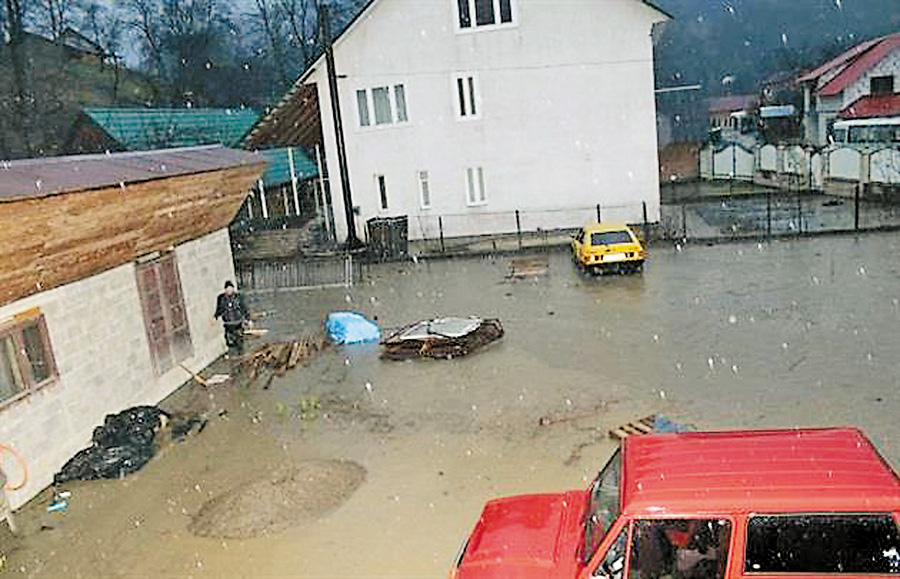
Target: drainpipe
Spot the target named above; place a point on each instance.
(353, 241)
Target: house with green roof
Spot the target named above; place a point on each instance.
(115, 129)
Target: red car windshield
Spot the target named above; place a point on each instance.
(603, 506)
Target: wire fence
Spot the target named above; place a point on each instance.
(758, 213)
(300, 272)
(490, 232)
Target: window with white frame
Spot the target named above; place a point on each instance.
(475, 194)
(382, 191)
(424, 189)
(468, 105)
(480, 13)
(382, 105)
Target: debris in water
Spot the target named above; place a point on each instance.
(442, 338)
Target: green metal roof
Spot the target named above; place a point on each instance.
(142, 129)
(279, 168)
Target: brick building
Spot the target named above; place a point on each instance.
(109, 269)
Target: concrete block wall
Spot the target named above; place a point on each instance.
(100, 346)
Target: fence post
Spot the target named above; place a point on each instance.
(441, 229)
(646, 224)
(599, 220)
(799, 212)
(856, 207)
(684, 221)
(769, 214)
(519, 229)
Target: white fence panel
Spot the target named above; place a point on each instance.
(795, 161)
(744, 163)
(818, 177)
(706, 161)
(768, 158)
(884, 166)
(843, 163)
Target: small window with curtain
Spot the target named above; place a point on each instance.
(362, 103)
(26, 358)
(475, 193)
(882, 84)
(424, 190)
(381, 100)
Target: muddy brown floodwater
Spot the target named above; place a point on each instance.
(791, 333)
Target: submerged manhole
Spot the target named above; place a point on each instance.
(288, 497)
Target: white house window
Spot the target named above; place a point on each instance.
(383, 105)
(382, 191)
(362, 102)
(475, 186)
(468, 104)
(484, 13)
(424, 190)
(400, 100)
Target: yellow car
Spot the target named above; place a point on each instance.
(608, 247)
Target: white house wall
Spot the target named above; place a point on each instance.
(567, 111)
(100, 346)
(888, 66)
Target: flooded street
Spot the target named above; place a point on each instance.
(789, 333)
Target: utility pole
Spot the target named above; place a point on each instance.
(353, 241)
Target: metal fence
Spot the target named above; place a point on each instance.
(762, 213)
(301, 272)
(490, 232)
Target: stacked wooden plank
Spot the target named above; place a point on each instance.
(645, 425)
(528, 267)
(277, 358)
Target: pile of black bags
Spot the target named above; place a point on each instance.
(122, 445)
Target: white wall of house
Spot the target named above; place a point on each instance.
(100, 345)
(888, 66)
(827, 108)
(565, 113)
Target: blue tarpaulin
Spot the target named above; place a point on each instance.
(351, 328)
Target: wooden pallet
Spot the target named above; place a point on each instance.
(641, 426)
(528, 267)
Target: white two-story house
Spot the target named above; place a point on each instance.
(869, 70)
(469, 110)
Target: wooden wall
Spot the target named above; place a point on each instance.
(49, 242)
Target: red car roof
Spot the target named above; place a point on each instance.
(827, 470)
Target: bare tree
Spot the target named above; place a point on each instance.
(268, 18)
(105, 29)
(14, 33)
(145, 19)
(55, 15)
(302, 18)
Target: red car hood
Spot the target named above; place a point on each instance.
(526, 537)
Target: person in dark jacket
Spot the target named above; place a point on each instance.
(231, 308)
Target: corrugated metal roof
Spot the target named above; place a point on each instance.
(34, 178)
(859, 66)
(838, 73)
(141, 129)
(732, 103)
(279, 169)
(870, 106)
(820, 470)
(777, 111)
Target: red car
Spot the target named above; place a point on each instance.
(704, 505)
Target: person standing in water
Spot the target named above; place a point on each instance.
(231, 308)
